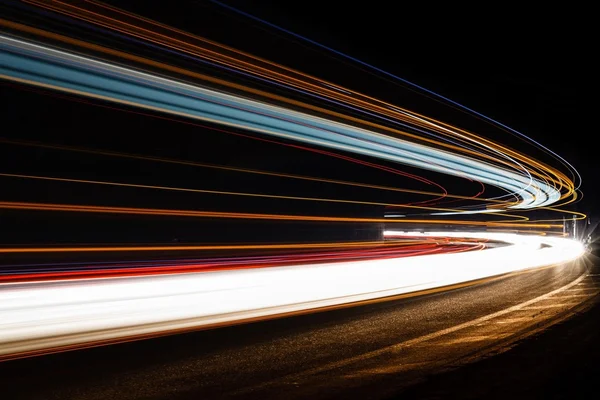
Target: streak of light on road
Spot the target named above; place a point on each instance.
(40, 317)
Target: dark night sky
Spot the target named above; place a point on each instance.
(530, 71)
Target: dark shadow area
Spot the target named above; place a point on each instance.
(560, 363)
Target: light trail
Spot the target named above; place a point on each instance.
(576, 174)
(250, 216)
(39, 318)
(33, 64)
(440, 211)
(246, 170)
(200, 48)
(295, 254)
(49, 307)
(536, 165)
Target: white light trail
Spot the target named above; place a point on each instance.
(43, 315)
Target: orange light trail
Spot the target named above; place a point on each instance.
(235, 215)
(143, 28)
(557, 179)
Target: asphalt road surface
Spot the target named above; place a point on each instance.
(374, 350)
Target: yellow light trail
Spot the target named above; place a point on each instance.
(246, 170)
(85, 11)
(558, 181)
(221, 192)
(258, 216)
(306, 82)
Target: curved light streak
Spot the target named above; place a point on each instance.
(400, 79)
(197, 53)
(79, 208)
(441, 211)
(45, 317)
(34, 64)
(545, 173)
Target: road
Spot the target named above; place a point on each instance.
(374, 351)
